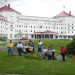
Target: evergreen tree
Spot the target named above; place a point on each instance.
(71, 47)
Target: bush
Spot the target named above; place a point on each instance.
(71, 47)
(1, 38)
(32, 56)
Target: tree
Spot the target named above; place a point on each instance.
(71, 47)
(19, 34)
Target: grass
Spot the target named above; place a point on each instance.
(22, 65)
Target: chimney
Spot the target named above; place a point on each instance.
(69, 12)
(8, 6)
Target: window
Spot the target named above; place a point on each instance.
(19, 25)
(1, 22)
(10, 35)
(11, 29)
(54, 27)
(61, 28)
(15, 35)
(72, 27)
(46, 27)
(40, 26)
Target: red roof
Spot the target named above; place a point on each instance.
(3, 18)
(63, 14)
(6, 8)
(46, 32)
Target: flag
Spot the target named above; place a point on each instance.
(63, 7)
(5, 0)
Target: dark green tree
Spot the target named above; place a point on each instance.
(71, 47)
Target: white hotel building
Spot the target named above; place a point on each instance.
(60, 26)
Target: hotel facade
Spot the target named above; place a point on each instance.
(60, 26)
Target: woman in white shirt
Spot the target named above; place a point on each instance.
(26, 50)
(19, 47)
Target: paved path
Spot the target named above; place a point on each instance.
(3, 48)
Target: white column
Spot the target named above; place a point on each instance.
(66, 36)
(53, 36)
(41, 36)
(33, 36)
(58, 36)
(49, 36)
(44, 36)
(36, 36)
(62, 37)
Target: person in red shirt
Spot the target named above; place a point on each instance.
(62, 52)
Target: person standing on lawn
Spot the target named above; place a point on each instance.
(40, 46)
(63, 52)
(19, 47)
(10, 45)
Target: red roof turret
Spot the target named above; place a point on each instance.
(6, 8)
(63, 14)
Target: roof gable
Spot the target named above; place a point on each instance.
(6, 8)
(47, 32)
(63, 14)
(3, 18)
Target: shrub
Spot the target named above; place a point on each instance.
(1, 38)
(32, 56)
(71, 47)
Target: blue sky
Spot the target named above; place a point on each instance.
(42, 8)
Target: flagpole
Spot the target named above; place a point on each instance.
(5, 2)
(63, 7)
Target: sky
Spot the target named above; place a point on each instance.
(41, 8)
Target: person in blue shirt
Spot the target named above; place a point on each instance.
(49, 52)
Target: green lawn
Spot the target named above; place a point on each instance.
(22, 65)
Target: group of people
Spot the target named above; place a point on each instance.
(48, 53)
(23, 49)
